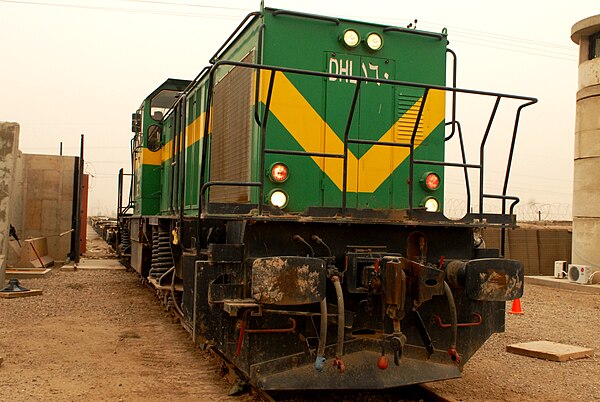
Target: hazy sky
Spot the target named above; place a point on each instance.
(82, 67)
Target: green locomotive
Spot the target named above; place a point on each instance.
(287, 203)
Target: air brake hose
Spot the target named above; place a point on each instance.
(173, 287)
(454, 320)
(320, 361)
(339, 351)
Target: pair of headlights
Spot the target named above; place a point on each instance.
(351, 39)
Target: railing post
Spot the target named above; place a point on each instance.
(346, 134)
(204, 150)
(482, 154)
(411, 167)
(263, 141)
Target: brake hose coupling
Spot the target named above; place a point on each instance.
(453, 353)
(339, 363)
(320, 363)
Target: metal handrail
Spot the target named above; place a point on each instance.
(482, 154)
(347, 140)
(346, 134)
(366, 79)
(411, 167)
(239, 28)
(415, 32)
(336, 21)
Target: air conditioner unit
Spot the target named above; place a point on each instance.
(560, 269)
(581, 273)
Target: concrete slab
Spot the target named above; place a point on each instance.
(95, 264)
(21, 273)
(564, 283)
(25, 293)
(558, 352)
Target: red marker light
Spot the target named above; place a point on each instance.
(279, 172)
(432, 181)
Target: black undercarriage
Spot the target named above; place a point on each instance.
(329, 303)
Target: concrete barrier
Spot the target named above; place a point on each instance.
(538, 248)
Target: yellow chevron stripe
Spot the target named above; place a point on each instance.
(194, 133)
(304, 124)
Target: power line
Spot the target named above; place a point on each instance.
(510, 38)
(516, 49)
(469, 31)
(498, 39)
(127, 10)
(562, 52)
(501, 39)
(186, 5)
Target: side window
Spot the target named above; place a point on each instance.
(162, 102)
(594, 46)
(159, 106)
(154, 138)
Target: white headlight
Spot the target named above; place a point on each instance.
(374, 41)
(278, 199)
(351, 38)
(432, 205)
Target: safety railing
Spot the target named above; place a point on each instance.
(205, 185)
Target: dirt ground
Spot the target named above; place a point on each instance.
(556, 315)
(100, 335)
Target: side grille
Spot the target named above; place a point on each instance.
(407, 118)
(232, 134)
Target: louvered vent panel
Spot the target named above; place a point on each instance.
(408, 116)
(232, 133)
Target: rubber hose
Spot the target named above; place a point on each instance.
(453, 315)
(320, 361)
(173, 295)
(340, 305)
(165, 274)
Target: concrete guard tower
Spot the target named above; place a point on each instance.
(586, 180)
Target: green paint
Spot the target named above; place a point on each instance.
(312, 44)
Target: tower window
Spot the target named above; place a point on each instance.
(594, 46)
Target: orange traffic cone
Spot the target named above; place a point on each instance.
(516, 307)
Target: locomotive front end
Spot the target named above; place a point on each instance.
(299, 217)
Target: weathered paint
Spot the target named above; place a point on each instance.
(494, 279)
(288, 280)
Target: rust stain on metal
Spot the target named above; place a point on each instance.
(266, 282)
(307, 281)
(288, 280)
(499, 284)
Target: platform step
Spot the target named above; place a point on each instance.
(232, 306)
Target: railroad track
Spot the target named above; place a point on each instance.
(411, 393)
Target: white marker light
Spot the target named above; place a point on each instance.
(278, 199)
(374, 41)
(431, 205)
(351, 38)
